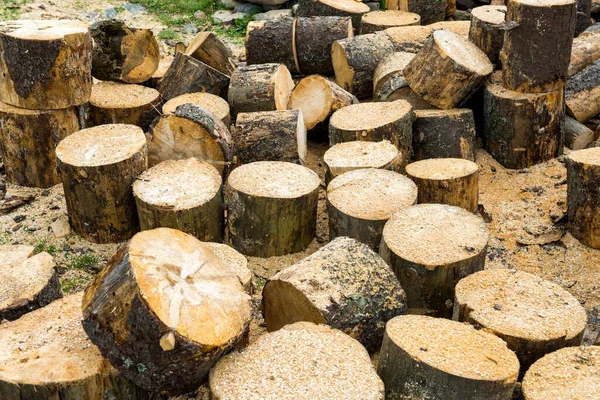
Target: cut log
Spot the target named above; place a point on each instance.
(206, 47)
(487, 30)
(533, 316)
(28, 140)
(272, 208)
(318, 98)
(27, 285)
(355, 59)
(47, 355)
(211, 102)
(191, 132)
(188, 75)
(430, 10)
(577, 135)
(270, 136)
(302, 361)
(163, 67)
(521, 129)
(344, 284)
(584, 16)
(390, 68)
(431, 247)
(98, 166)
(448, 70)
(397, 88)
(15, 254)
(410, 39)
(333, 8)
(461, 28)
(424, 357)
(236, 261)
(184, 195)
(360, 202)
(452, 181)
(59, 74)
(272, 41)
(375, 21)
(119, 103)
(583, 192)
(444, 134)
(570, 373)
(188, 306)
(262, 87)
(122, 53)
(582, 93)
(180, 47)
(586, 50)
(536, 69)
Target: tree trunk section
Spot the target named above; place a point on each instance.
(389, 75)
(272, 41)
(206, 47)
(213, 103)
(376, 21)
(586, 50)
(333, 8)
(584, 16)
(410, 39)
(430, 10)
(582, 93)
(577, 135)
(163, 67)
(487, 30)
(236, 261)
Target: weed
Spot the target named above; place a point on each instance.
(119, 9)
(42, 245)
(84, 262)
(11, 9)
(71, 285)
(168, 34)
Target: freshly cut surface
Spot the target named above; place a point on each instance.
(236, 261)
(349, 156)
(380, 20)
(211, 102)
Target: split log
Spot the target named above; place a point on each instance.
(487, 30)
(582, 93)
(431, 247)
(188, 306)
(272, 41)
(272, 208)
(28, 140)
(448, 70)
(521, 129)
(298, 353)
(46, 354)
(586, 50)
(345, 285)
(163, 67)
(213, 103)
(191, 131)
(444, 134)
(58, 76)
(461, 28)
(98, 166)
(424, 357)
(360, 202)
(583, 192)
(270, 136)
(410, 39)
(28, 285)
(430, 10)
(577, 135)
(533, 316)
(236, 261)
(375, 21)
(119, 103)
(261, 87)
(390, 68)
(188, 75)
(15, 254)
(535, 69)
(206, 47)
(184, 195)
(584, 16)
(452, 181)
(333, 8)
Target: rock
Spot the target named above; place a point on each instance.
(271, 7)
(189, 28)
(273, 14)
(92, 16)
(248, 8)
(373, 6)
(229, 4)
(61, 227)
(110, 13)
(224, 16)
(294, 10)
(200, 15)
(135, 9)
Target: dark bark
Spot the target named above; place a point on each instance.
(314, 38)
(272, 41)
(583, 194)
(310, 8)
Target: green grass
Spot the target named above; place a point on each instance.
(70, 285)
(168, 33)
(42, 245)
(84, 263)
(11, 9)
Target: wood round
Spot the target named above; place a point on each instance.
(184, 195)
(236, 261)
(431, 247)
(424, 357)
(431, 11)
(272, 208)
(390, 67)
(163, 66)
(380, 20)
(360, 202)
(486, 30)
(302, 361)
(211, 102)
(335, 8)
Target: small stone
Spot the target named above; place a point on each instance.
(223, 16)
(273, 14)
(200, 16)
(45, 193)
(497, 307)
(61, 227)
(135, 9)
(229, 4)
(373, 6)
(17, 227)
(19, 218)
(32, 229)
(189, 28)
(110, 12)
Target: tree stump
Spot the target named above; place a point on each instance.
(118, 103)
(270, 136)
(211, 102)
(350, 156)
(390, 68)
(586, 50)
(272, 41)
(333, 8)
(584, 16)
(261, 87)
(188, 306)
(45, 64)
(28, 140)
(206, 47)
(122, 53)
(98, 166)
(461, 28)
(360, 202)
(487, 33)
(533, 316)
(344, 284)
(236, 261)
(14, 254)
(380, 20)
(272, 208)
(302, 361)
(27, 285)
(583, 191)
(184, 195)
(191, 131)
(570, 373)
(163, 67)
(410, 39)
(582, 93)
(448, 70)
(430, 10)
(577, 135)
(47, 355)
(431, 247)
(535, 69)
(433, 358)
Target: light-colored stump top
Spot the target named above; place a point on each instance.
(545, 3)
(42, 29)
(178, 184)
(494, 86)
(122, 95)
(406, 34)
(314, 97)
(211, 102)
(49, 346)
(493, 15)
(346, 156)
(234, 259)
(393, 63)
(371, 194)
(435, 234)
(391, 18)
(370, 115)
(12, 254)
(442, 168)
(101, 145)
(24, 280)
(586, 156)
(461, 28)
(517, 304)
(274, 179)
(569, 373)
(463, 52)
(301, 361)
(350, 6)
(453, 347)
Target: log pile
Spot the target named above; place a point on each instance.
(211, 102)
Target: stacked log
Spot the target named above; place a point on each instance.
(461, 28)
(586, 50)
(375, 21)
(272, 41)
(487, 33)
(430, 10)
(577, 135)
(213, 103)
(410, 39)
(163, 67)
(388, 77)
(582, 93)
(333, 8)
(206, 47)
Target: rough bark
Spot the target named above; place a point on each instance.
(333, 8)
(206, 47)
(376, 21)
(584, 16)
(586, 50)
(430, 10)
(577, 135)
(582, 93)
(272, 41)
(487, 30)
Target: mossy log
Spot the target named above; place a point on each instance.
(272, 41)
(577, 135)
(213, 103)
(582, 93)
(333, 8)
(207, 47)
(487, 30)
(380, 20)
(430, 10)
